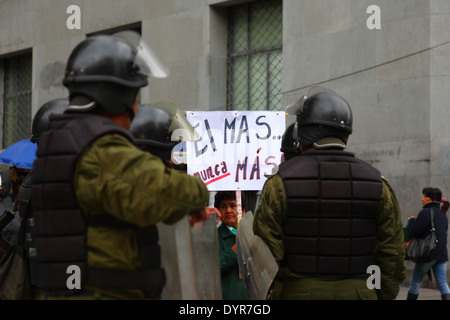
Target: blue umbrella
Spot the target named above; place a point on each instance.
(21, 154)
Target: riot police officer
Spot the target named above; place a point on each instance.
(327, 215)
(40, 124)
(41, 120)
(21, 226)
(158, 128)
(105, 195)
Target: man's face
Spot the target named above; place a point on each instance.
(228, 212)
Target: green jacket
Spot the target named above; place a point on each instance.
(389, 253)
(114, 177)
(232, 286)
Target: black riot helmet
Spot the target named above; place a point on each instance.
(159, 127)
(324, 119)
(108, 70)
(41, 120)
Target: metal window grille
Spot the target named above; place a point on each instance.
(17, 99)
(255, 62)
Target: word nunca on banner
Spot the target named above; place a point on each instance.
(236, 150)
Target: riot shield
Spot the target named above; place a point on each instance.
(205, 249)
(257, 266)
(190, 258)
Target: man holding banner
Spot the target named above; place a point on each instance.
(328, 217)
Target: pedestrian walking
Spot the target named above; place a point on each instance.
(419, 227)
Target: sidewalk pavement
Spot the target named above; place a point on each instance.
(424, 293)
(428, 289)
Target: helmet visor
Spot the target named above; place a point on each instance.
(297, 107)
(181, 129)
(145, 62)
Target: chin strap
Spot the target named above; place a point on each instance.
(131, 114)
(297, 147)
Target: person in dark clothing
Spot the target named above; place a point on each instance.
(419, 227)
(9, 221)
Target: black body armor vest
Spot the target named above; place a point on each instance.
(332, 203)
(58, 228)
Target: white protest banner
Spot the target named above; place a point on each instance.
(236, 150)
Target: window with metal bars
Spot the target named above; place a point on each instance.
(17, 99)
(255, 61)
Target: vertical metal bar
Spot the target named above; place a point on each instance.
(229, 59)
(268, 81)
(248, 56)
(17, 94)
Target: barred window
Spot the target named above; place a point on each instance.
(255, 56)
(17, 99)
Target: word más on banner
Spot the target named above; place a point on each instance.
(236, 150)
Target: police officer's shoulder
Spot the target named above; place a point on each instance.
(384, 179)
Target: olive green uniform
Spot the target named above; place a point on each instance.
(114, 177)
(389, 253)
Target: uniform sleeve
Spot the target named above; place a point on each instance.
(270, 214)
(113, 176)
(390, 250)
